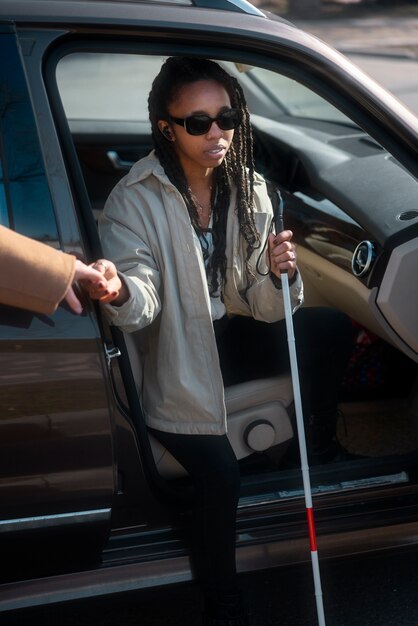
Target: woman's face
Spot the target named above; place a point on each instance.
(199, 152)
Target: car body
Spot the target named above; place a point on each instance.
(86, 505)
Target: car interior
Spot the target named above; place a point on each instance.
(339, 185)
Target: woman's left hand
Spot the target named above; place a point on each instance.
(282, 253)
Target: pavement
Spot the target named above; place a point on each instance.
(371, 28)
(384, 36)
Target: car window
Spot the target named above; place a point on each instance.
(83, 81)
(293, 98)
(4, 218)
(25, 202)
(302, 141)
(84, 78)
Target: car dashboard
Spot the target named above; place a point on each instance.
(348, 202)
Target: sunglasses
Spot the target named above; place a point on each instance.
(201, 124)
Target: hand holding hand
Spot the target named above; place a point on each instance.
(86, 275)
(111, 285)
(282, 253)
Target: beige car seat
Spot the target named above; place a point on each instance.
(257, 417)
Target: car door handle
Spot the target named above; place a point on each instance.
(117, 162)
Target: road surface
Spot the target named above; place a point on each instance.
(357, 591)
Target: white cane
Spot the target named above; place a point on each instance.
(300, 427)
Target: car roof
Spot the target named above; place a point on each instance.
(32, 9)
(227, 5)
(249, 33)
(241, 6)
(227, 16)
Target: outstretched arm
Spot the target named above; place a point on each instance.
(36, 277)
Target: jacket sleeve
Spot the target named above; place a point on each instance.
(33, 276)
(124, 245)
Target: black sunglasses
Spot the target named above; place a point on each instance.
(200, 124)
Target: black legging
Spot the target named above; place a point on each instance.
(249, 350)
(213, 469)
(324, 342)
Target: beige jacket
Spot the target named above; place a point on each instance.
(33, 275)
(145, 229)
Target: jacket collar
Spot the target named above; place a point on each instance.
(146, 167)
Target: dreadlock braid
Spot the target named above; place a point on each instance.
(237, 166)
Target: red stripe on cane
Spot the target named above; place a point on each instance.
(311, 529)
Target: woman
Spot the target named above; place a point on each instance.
(37, 278)
(187, 229)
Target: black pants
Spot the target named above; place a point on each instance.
(213, 469)
(324, 342)
(249, 350)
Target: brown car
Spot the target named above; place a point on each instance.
(87, 498)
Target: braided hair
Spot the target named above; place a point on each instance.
(237, 166)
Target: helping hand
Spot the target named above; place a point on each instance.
(86, 275)
(109, 289)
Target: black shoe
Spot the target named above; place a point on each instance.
(333, 453)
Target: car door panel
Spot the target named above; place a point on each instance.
(57, 473)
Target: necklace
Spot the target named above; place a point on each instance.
(204, 208)
(203, 203)
(205, 214)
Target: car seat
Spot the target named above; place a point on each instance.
(258, 417)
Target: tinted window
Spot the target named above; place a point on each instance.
(4, 218)
(100, 86)
(294, 99)
(25, 203)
